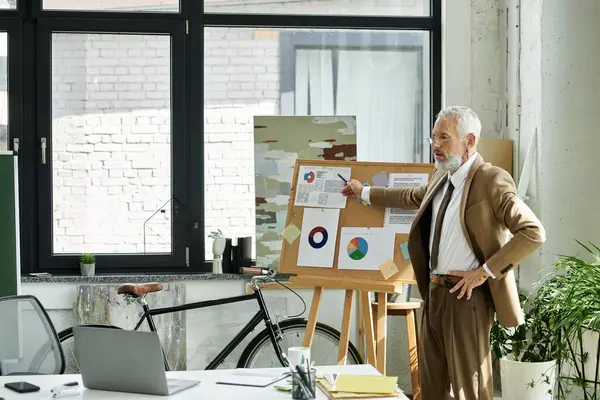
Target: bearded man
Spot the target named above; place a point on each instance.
(461, 255)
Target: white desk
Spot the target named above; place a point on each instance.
(207, 389)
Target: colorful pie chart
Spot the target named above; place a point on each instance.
(309, 177)
(358, 248)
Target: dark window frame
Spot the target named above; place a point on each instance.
(113, 262)
(29, 104)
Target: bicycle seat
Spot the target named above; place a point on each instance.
(138, 290)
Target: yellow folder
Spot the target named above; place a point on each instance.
(366, 384)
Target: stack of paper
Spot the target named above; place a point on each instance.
(359, 386)
(253, 377)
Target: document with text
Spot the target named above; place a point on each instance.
(397, 219)
(321, 187)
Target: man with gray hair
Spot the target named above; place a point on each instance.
(461, 256)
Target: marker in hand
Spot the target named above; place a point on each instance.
(344, 179)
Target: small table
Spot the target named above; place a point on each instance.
(405, 309)
(207, 389)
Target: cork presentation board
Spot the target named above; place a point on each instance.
(355, 214)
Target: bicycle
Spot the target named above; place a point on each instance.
(268, 341)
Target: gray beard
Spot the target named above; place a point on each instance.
(451, 164)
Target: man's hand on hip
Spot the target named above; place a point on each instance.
(353, 188)
(470, 280)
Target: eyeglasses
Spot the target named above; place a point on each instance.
(438, 141)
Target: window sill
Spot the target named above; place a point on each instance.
(138, 278)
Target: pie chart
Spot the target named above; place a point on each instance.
(309, 177)
(358, 248)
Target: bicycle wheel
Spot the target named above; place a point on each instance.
(66, 341)
(324, 350)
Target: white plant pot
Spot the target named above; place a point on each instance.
(87, 269)
(517, 378)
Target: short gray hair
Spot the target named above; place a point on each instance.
(466, 120)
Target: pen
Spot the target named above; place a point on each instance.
(65, 389)
(304, 382)
(308, 372)
(344, 179)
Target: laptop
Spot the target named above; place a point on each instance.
(124, 361)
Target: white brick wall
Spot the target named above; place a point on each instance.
(241, 75)
(111, 143)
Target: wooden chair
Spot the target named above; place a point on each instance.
(409, 310)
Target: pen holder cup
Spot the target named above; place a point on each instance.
(298, 391)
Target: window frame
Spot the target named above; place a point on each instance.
(30, 110)
(65, 263)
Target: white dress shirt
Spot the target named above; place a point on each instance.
(454, 251)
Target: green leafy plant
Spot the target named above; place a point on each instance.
(564, 305)
(574, 295)
(87, 258)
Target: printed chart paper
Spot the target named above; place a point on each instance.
(395, 218)
(318, 237)
(365, 248)
(321, 187)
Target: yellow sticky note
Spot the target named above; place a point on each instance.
(388, 269)
(366, 384)
(291, 233)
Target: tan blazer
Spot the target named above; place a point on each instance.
(489, 209)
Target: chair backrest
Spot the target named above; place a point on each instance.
(28, 341)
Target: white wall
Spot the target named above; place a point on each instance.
(474, 60)
(559, 89)
(569, 176)
(527, 58)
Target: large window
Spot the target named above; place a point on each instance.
(133, 119)
(111, 143)
(381, 77)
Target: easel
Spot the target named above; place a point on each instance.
(376, 346)
(355, 214)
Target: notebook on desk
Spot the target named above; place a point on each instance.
(358, 387)
(253, 377)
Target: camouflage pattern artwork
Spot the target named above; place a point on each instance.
(278, 142)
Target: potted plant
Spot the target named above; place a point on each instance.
(87, 264)
(573, 292)
(528, 354)
(561, 329)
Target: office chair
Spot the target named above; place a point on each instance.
(29, 344)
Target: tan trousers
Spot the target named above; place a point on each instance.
(455, 360)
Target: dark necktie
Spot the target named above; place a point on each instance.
(438, 225)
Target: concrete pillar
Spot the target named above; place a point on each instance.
(570, 169)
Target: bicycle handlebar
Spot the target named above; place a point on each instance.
(260, 274)
(255, 271)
